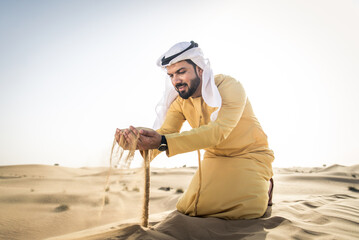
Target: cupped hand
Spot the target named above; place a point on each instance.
(148, 138)
(125, 139)
(144, 138)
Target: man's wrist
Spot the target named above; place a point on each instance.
(163, 145)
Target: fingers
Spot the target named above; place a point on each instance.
(134, 131)
(127, 136)
(120, 138)
(148, 133)
(131, 134)
(133, 138)
(118, 134)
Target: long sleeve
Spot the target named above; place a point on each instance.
(172, 124)
(174, 119)
(233, 103)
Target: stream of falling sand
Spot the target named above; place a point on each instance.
(124, 162)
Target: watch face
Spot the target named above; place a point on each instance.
(162, 147)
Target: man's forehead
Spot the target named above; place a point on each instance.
(174, 67)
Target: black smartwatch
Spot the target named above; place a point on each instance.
(163, 145)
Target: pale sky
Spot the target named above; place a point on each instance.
(71, 72)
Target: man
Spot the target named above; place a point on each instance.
(232, 182)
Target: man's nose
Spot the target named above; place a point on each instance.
(176, 79)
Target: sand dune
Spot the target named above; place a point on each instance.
(324, 217)
(39, 201)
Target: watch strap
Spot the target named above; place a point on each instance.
(163, 146)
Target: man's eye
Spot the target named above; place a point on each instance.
(182, 72)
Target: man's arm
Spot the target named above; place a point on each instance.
(150, 139)
(233, 102)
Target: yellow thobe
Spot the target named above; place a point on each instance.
(236, 165)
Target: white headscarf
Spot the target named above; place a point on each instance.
(179, 52)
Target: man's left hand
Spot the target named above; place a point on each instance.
(148, 138)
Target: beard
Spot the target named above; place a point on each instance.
(194, 83)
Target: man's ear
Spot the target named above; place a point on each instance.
(199, 71)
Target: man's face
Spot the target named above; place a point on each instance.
(186, 79)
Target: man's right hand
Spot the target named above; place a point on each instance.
(126, 139)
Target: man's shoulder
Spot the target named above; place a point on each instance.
(221, 78)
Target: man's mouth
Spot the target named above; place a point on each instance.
(181, 87)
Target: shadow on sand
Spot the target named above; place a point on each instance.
(179, 226)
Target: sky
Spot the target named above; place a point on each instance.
(71, 72)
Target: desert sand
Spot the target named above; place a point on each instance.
(40, 202)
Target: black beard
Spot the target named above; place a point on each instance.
(194, 83)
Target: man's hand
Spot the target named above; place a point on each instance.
(126, 139)
(148, 138)
(145, 138)
(118, 135)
